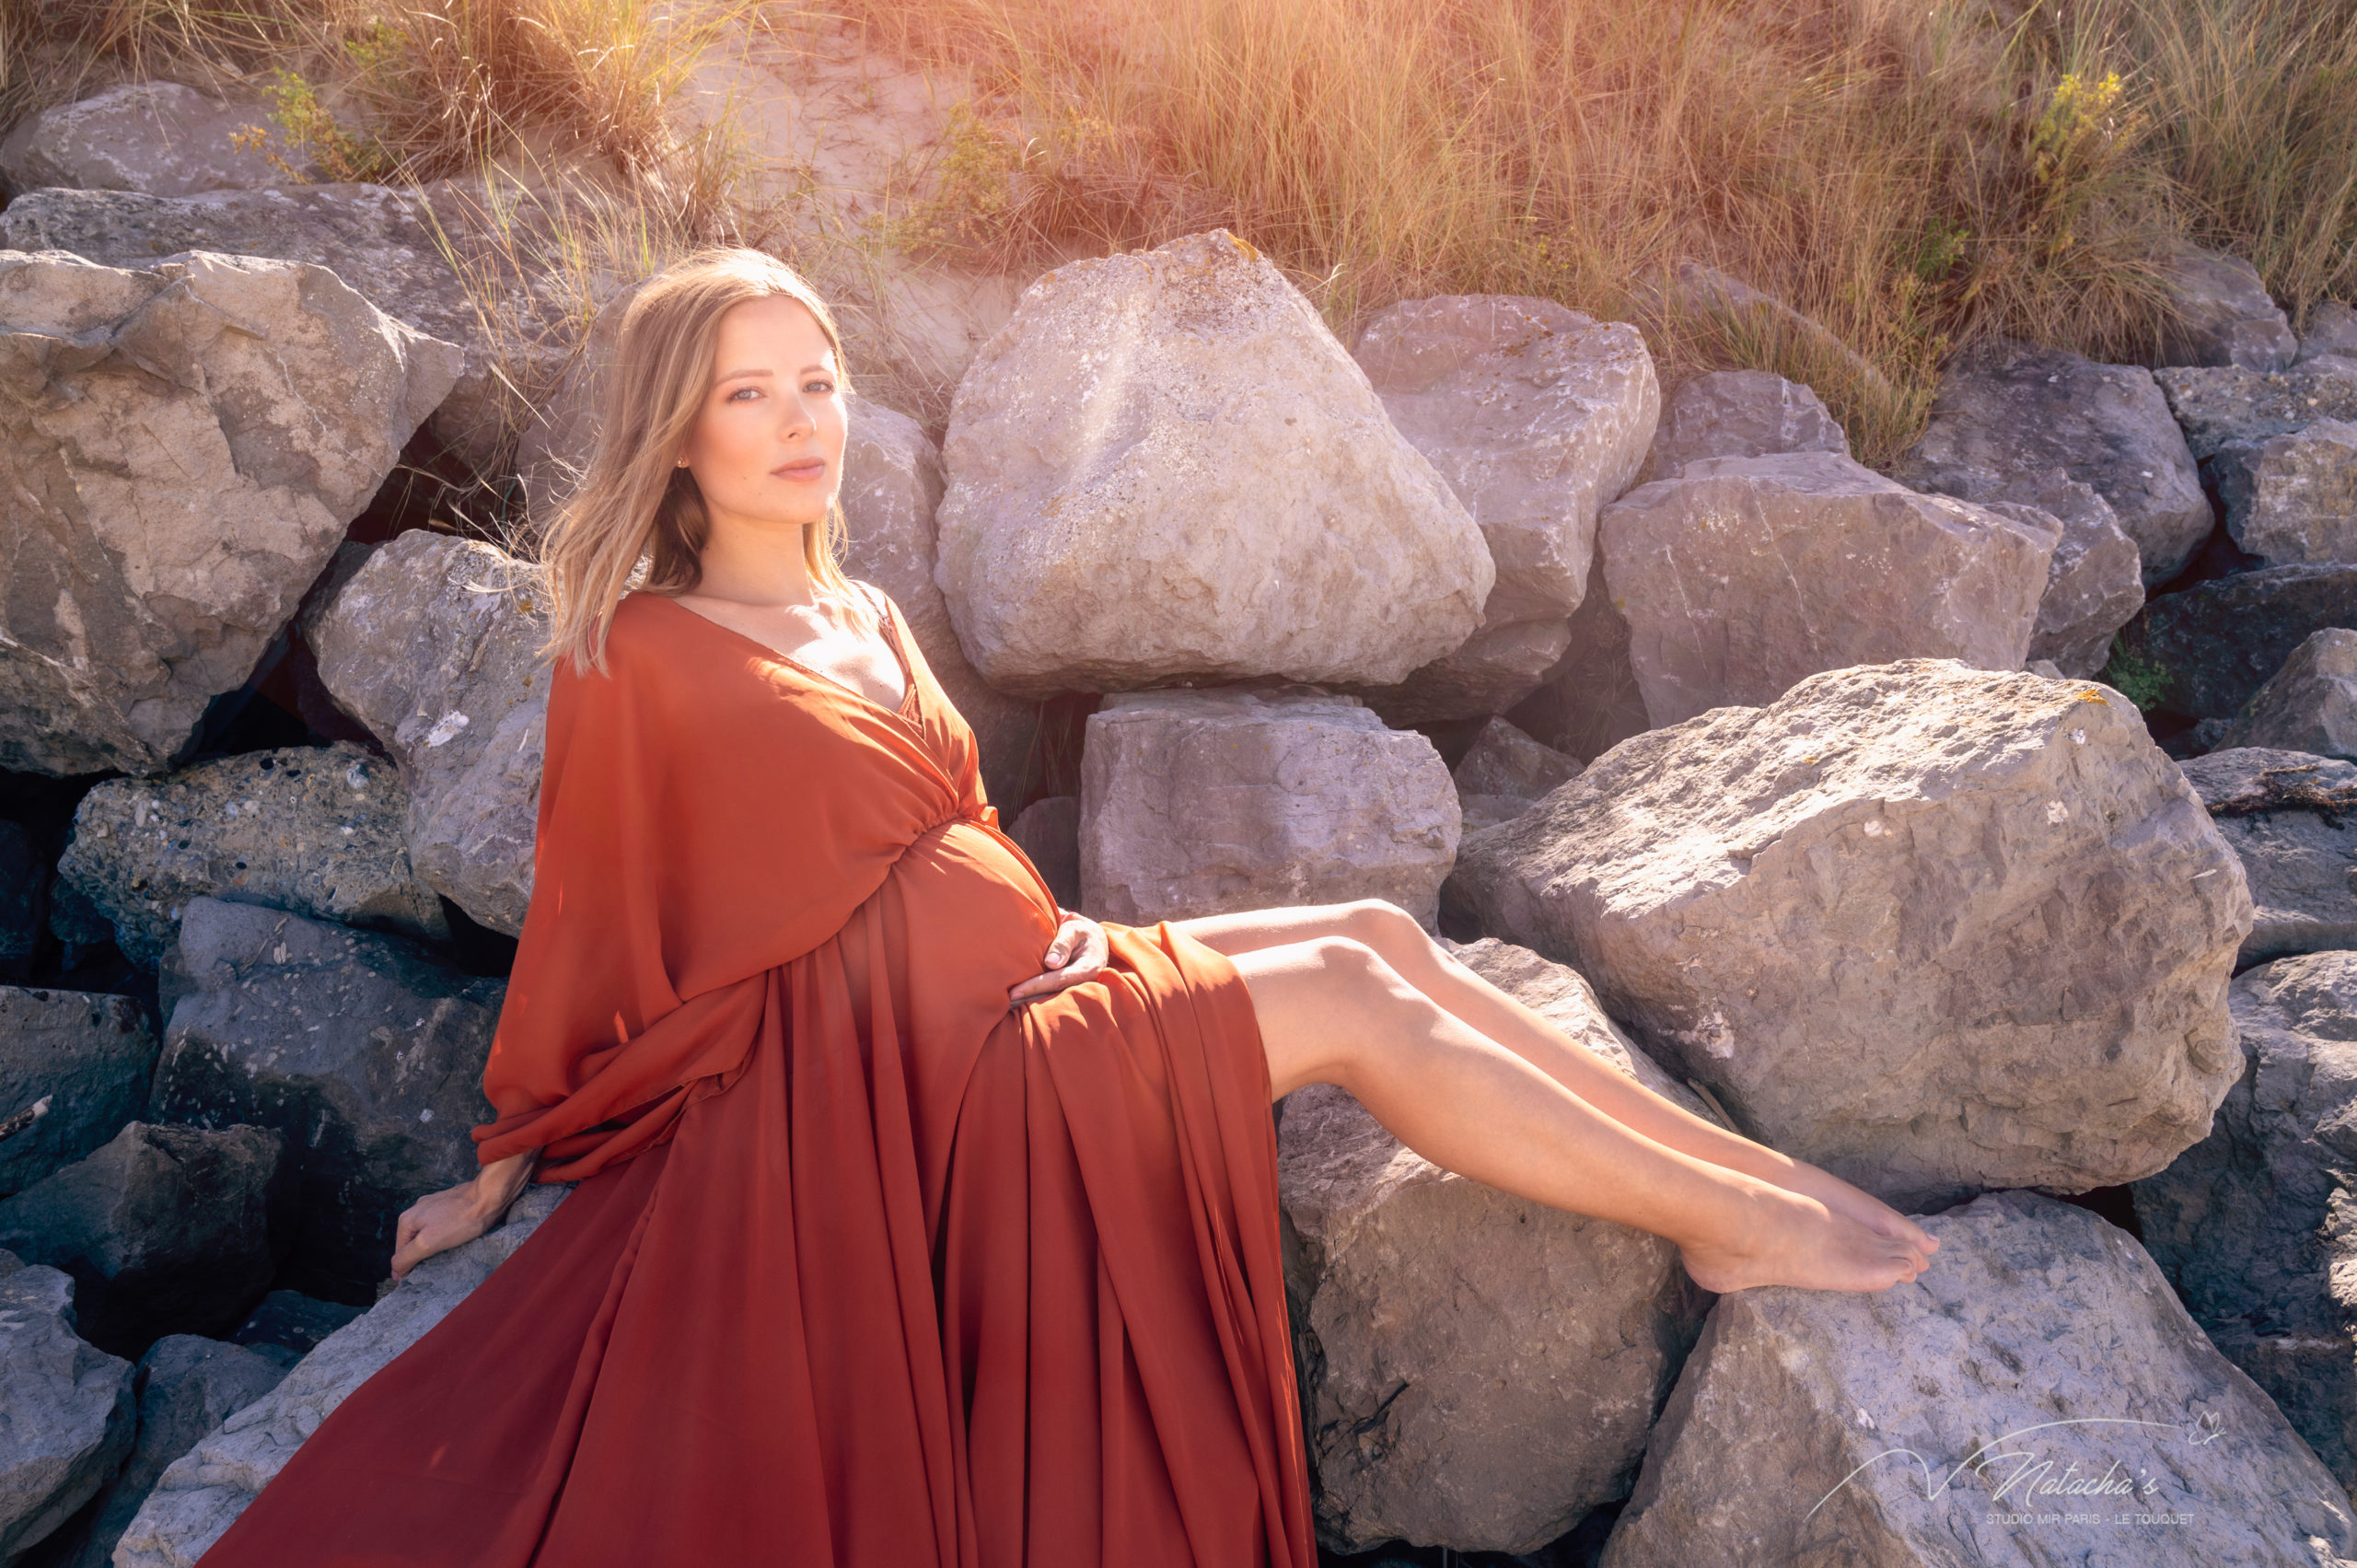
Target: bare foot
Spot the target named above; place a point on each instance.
(1830, 1190)
(1794, 1240)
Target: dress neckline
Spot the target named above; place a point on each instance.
(891, 638)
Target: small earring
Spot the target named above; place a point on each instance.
(682, 463)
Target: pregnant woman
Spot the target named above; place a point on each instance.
(919, 1222)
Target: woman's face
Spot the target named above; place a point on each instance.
(767, 445)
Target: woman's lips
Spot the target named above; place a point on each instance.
(801, 468)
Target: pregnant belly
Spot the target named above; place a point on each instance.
(968, 918)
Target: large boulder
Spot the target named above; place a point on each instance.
(1124, 510)
(2310, 704)
(386, 244)
(67, 1417)
(2245, 1223)
(2204, 653)
(2292, 497)
(1935, 929)
(2012, 409)
(201, 1493)
(2218, 408)
(1742, 576)
(2037, 1397)
(2286, 815)
(2330, 343)
(1739, 413)
(433, 644)
(160, 137)
(184, 445)
(165, 1230)
(88, 1056)
(312, 829)
(1478, 1370)
(2223, 315)
(1204, 802)
(1535, 416)
(365, 1051)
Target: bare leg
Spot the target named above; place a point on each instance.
(1332, 1011)
(1395, 936)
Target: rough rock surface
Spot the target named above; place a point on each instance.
(1203, 802)
(1504, 761)
(381, 242)
(312, 829)
(160, 137)
(1478, 1370)
(1934, 928)
(89, 1055)
(376, 1103)
(1124, 510)
(2244, 1222)
(184, 448)
(2292, 499)
(1536, 416)
(2310, 704)
(199, 1493)
(68, 1418)
(1739, 413)
(2286, 816)
(1049, 831)
(2217, 406)
(2225, 315)
(2094, 582)
(1743, 575)
(2330, 343)
(433, 645)
(2021, 412)
(2210, 648)
(2037, 1396)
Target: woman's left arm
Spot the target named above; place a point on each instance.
(1078, 953)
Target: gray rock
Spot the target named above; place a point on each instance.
(2037, 1397)
(2224, 315)
(312, 829)
(1534, 415)
(184, 446)
(2249, 1223)
(203, 1490)
(365, 1051)
(2292, 499)
(433, 644)
(1203, 802)
(2332, 332)
(2309, 706)
(2282, 814)
(1478, 1370)
(290, 1325)
(2218, 407)
(68, 1417)
(1739, 413)
(1503, 761)
(89, 1055)
(2204, 653)
(2019, 412)
(1743, 574)
(1589, 701)
(165, 1230)
(159, 137)
(1124, 510)
(1934, 928)
(1049, 831)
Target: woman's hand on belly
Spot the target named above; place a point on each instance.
(1078, 953)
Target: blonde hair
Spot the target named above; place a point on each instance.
(634, 505)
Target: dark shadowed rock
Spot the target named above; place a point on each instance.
(67, 1414)
(2309, 706)
(2210, 648)
(2293, 497)
(2287, 815)
(1503, 761)
(1049, 831)
(89, 1055)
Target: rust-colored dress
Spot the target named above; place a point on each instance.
(864, 1268)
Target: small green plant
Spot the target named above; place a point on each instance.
(309, 130)
(2142, 680)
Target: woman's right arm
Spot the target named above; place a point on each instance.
(456, 1215)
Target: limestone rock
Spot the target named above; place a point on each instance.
(164, 1229)
(2309, 706)
(1124, 509)
(1504, 761)
(1203, 802)
(89, 1055)
(2292, 499)
(1740, 413)
(184, 446)
(2248, 1224)
(2282, 814)
(159, 137)
(2209, 649)
(203, 1492)
(1589, 701)
(1534, 415)
(1743, 575)
(2225, 316)
(2037, 1396)
(433, 644)
(1935, 929)
(1478, 1370)
(376, 1106)
(312, 829)
(2218, 407)
(69, 1416)
(2331, 344)
(2021, 412)
(1049, 831)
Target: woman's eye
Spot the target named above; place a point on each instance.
(744, 392)
(822, 387)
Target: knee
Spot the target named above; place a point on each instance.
(1354, 972)
(1383, 926)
